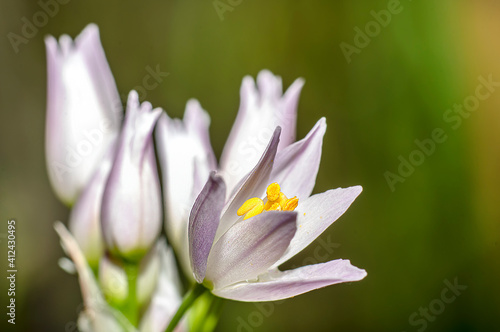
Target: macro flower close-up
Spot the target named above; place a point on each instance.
(230, 165)
(187, 157)
(236, 251)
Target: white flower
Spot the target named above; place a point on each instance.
(131, 211)
(84, 111)
(186, 156)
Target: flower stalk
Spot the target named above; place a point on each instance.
(187, 302)
(131, 308)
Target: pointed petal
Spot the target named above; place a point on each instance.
(186, 159)
(288, 118)
(262, 109)
(316, 214)
(254, 185)
(167, 297)
(203, 223)
(296, 166)
(131, 212)
(250, 247)
(281, 285)
(84, 111)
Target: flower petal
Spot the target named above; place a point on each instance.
(316, 214)
(186, 159)
(254, 184)
(84, 111)
(250, 247)
(131, 212)
(279, 285)
(203, 223)
(261, 110)
(296, 166)
(85, 219)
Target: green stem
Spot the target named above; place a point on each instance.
(213, 314)
(187, 302)
(131, 310)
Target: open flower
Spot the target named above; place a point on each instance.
(131, 212)
(186, 156)
(84, 111)
(236, 245)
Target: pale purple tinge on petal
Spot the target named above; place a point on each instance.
(250, 247)
(262, 108)
(84, 111)
(253, 185)
(316, 214)
(279, 285)
(131, 212)
(167, 296)
(203, 223)
(297, 165)
(97, 315)
(85, 217)
(186, 160)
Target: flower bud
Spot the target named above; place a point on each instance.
(113, 280)
(131, 211)
(115, 283)
(84, 111)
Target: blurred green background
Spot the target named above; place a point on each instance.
(442, 223)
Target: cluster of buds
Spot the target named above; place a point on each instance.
(103, 164)
(115, 189)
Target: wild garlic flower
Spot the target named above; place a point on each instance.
(236, 245)
(186, 156)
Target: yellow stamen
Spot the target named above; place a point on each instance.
(282, 200)
(291, 204)
(274, 206)
(273, 191)
(251, 207)
(276, 201)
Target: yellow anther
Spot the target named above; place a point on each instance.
(291, 204)
(276, 201)
(270, 206)
(273, 191)
(251, 207)
(282, 200)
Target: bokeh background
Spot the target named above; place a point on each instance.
(442, 223)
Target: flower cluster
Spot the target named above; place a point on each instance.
(231, 223)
